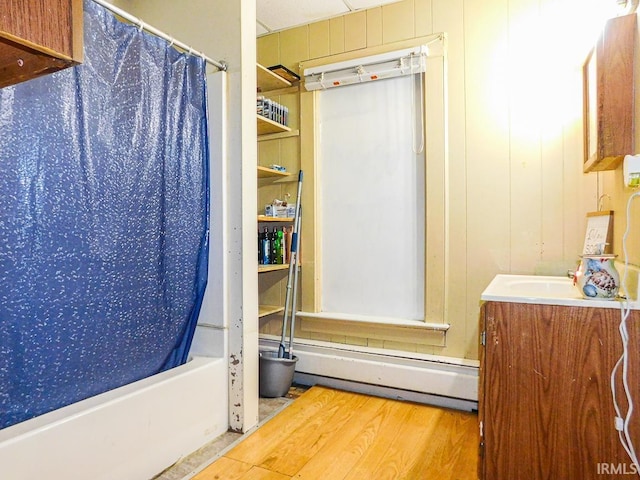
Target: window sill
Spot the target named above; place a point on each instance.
(414, 332)
(388, 321)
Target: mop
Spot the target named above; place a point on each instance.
(290, 299)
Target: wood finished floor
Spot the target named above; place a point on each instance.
(334, 435)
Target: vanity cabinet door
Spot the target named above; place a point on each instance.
(545, 400)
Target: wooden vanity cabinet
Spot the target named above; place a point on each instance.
(38, 37)
(545, 403)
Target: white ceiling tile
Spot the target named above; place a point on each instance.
(360, 4)
(280, 14)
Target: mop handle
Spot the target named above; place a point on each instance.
(296, 269)
(292, 263)
(294, 237)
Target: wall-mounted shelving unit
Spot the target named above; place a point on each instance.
(270, 82)
(273, 84)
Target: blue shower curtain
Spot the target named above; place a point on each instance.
(103, 219)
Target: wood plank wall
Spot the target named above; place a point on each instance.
(518, 197)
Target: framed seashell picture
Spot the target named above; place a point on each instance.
(598, 237)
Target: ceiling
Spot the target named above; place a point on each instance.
(275, 15)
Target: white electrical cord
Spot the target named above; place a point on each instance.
(622, 424)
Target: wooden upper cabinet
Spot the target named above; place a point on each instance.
(38, 37)
(608, 77)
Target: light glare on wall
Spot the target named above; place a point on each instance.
(532, 82)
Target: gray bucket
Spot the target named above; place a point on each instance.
(276, 374)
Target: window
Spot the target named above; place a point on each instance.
(376, 202)
(372, 199)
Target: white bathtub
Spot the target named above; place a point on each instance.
(136, 431)
(130, 433)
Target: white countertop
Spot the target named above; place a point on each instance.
(542, 290)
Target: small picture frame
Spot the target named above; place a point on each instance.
(599, 234)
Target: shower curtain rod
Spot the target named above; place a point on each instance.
(172, 41)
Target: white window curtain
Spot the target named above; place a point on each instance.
(372, 202)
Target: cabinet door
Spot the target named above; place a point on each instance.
(609, 95)
(546, 402)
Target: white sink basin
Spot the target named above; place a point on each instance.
(539, 289)
(532, 286)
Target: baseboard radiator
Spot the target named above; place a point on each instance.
(419, 378)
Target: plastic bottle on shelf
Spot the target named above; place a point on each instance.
(266, 247)
(267, 108)
(279, 247)
(260, 105)
(274, 247)
(285, 254)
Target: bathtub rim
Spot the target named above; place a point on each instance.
(32, 426)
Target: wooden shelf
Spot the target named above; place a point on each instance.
(269, 126)
(267, 80)
(266, 172)
(272, 268)
(264, 218)
(276, 136)
(282, 91)
(264, 310)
